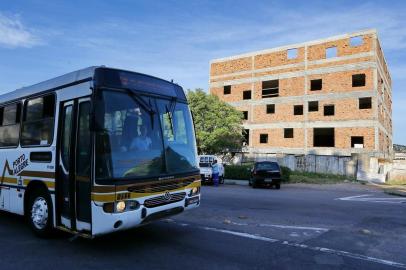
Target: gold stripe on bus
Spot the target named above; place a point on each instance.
(9, 180)
(39, 174)
(100, 197)
(14, 181)
(134, 195)
(126, 187)
(49, 184)
(104, 197)
(82, 178)
(111, 188)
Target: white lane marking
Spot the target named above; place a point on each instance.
(241, 234)
(295, 227)
(352, 197)
(367, 198)
(239, 224)
(320, 249)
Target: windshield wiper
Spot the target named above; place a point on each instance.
(169, 113)
(143, 104)
(173, 105)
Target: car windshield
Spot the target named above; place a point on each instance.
(267, 166)
(204, 164)
(142, 137)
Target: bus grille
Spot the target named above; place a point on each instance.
(162, 200)
(159, 187)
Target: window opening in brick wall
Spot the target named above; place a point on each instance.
(263, 138)
(365, 103)
(356, 41)
(246, 94)
(270, 88)
(357, 142)
(298, 110)
(316, 85)
(323, 137)
(227, 89)
(288, 133)
(331, 52)
(270, 108)
(329, 110)
(246, 135)
(245, 115)
(358, 80)
(313, 106)
(292, 53)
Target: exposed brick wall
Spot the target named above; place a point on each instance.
(276, 138)
(343, 137)
(345, 109)
(231, 66)
(316, 65)
(283, 113)
(342, 81)
(247, 73)
(317, 52)
(277, 59)
(236, 92)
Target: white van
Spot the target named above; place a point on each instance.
(205, 163)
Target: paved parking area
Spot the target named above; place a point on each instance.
(342, 226)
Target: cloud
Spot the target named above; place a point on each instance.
(14, 34)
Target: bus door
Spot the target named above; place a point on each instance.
(74, 168)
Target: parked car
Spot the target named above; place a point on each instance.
(205, 163)
(266, 173)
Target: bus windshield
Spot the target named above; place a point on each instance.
(142, 137)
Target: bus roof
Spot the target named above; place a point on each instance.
(61, 81)
(78, 76)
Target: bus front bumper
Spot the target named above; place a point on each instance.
(104, 223)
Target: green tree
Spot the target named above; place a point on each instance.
(218, 125)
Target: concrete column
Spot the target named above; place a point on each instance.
(305, 106)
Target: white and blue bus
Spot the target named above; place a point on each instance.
(96, 151)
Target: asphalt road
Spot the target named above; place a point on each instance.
(298, 227)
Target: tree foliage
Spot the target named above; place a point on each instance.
(218, 125)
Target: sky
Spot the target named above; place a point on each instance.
(177, 39)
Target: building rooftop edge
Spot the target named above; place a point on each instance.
(296, 45)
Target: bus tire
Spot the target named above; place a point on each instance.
(39, 213)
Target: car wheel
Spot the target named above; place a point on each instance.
(39, 213)
(278, 186)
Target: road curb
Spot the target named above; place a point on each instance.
(392, 190)
(236, 182)
(397, 192)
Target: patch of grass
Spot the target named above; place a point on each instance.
(317, 178)
(238, 172)
(396, 182)
(242, 172)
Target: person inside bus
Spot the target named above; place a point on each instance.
(143, 141)
(129, 130)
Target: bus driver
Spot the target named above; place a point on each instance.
(141, 142)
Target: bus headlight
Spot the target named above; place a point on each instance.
(194, 191)
(120, 206)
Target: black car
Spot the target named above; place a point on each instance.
(266, 173)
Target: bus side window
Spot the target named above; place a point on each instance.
(38, 121)
(83, 141)
(10, 125)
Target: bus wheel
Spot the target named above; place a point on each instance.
(40, 213)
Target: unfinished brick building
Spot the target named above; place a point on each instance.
(330, 96)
